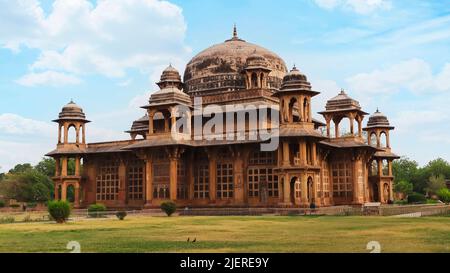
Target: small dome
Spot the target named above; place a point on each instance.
(72, 107)
(256, 61)
(72, 111)
(342, 102)
(170, 77)
(295, 79)
(378, 119)
(170, 74)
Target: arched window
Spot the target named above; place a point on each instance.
(373, 168)
(72, 134)
(385, 166)
(292, 105)
(254, 81)
(373, 139)
(383, 140)
(71, 193)
(262, 81)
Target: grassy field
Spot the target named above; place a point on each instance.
(232, 234)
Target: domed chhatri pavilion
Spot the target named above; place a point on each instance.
(313, 161)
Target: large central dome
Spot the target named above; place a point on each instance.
(219, 67)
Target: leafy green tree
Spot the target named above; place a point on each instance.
(404, 187)
(21, 168)
(405, 169)
(22, 186)
(47, 166)
(435, 183)
(436, 168)
(41, 192)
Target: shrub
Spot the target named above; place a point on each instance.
(27, 219)
(168, 207)
(59, 210)
(416, 197)
(2, 204)
(7, 220)
(14, 206)
(444, 195)
(31, 205)
(97, 210)
(121, 215)
(400, 202)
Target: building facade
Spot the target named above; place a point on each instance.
(201, 142)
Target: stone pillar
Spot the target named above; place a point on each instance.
(352, 131)
(309, 110)
(173, 118)
(173, 161)
(64, 166)
(390, 168)
(63, 191)
(238, 179)
(314, 154)
(380, 192)
(380, 167)
(77, 165)
(300, 109)
(304, 186)
(57, 191)
(59, 133)
(328, 127)
(122, 196)
(190, 176)
(66, 136)
(77, 135)
(166, 124)
(286, 161)
(391, 190)
(359, 119)
(388, 142)
(212, 175)
(77, 195)
(150, 122)
(336, 129)
(84, 133)
(286, 190)
(148, 181)
(57, 167)
(303, 153)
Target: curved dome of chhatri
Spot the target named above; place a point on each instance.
(72, 111)
(378, 119)
(219, 67)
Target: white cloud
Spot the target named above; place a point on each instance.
(358, 6)
(49, 78)
(18, 125)
(106, 37)
(413, 75)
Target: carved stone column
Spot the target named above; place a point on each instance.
(212, 174)
(148, 181)
(122, 197)
(77, 195)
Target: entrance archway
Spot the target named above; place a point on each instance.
(71, 193)
(375, 191)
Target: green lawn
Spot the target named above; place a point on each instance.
(232, 234)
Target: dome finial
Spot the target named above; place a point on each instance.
(342, 91)
(378, 111)
(235, 31)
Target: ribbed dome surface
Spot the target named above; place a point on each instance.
(220, 66)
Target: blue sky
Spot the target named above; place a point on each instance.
(106, 55)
